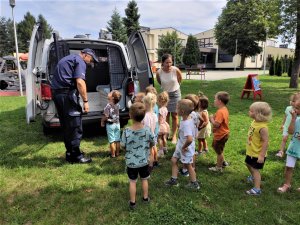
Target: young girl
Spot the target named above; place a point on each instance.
(293, 151)
(150, 121)
(204, 128)
(257, 143)
(164, 128)
(285, 124)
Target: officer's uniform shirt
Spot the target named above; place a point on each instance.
(68, 69)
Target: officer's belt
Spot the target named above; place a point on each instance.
(62, 90)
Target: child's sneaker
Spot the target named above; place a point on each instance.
(146, 200)
(216, 169)
(280, 154)
(165, 149)
(131, 205)
(161, 153)
(253, 191)
(205, 151)
(193, 185)
(155, 164)
(172, 182)
(225, 164)
(184, 173)
(250, 179)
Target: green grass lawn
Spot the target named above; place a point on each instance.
(38, 187)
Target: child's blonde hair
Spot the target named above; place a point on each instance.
(149, 101)
(163, 99)
(185, 106)
(262, 111)
(151, 89)
(195, 99)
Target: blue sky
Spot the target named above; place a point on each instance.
(71, 17)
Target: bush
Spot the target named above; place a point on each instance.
(272, 69)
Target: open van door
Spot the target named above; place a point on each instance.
(140, 64)
(34, 60)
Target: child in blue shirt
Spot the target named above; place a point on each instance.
(137, 140)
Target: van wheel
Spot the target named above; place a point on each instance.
(46, 130)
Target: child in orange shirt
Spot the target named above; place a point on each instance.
(220, 124)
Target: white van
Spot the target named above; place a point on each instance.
(121, 67)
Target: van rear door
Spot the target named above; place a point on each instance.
(140, 64)
(34, 60)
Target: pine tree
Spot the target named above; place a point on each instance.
(290, 67)
(272, 69)
(116, 27)
(279, 68)
(47, 29)
(24, 29)
(191, 54)
(131, 21)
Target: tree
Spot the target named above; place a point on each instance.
(171, 44)
(291, 30)
(25, 28)
(7, 43)
(47, 29)
(131, 21)
(248, 22)
(290, 67)
(272, 69)
(279, 68)
(191, 54)
(116, 27)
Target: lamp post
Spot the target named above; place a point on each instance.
(12, 5)
(265, 55)
(236, 42)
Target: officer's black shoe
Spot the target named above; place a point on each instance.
(79, 159)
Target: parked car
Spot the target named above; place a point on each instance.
(9, 76)
(121, 67)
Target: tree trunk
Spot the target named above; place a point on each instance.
(296, 66)
(242, 63)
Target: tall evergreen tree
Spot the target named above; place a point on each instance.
(131, 21)
(248, 21)
(47, 29)
(24, 29)
(170, 44)
(191, 54)
(272, 70)
(279, 68)
(116, 27)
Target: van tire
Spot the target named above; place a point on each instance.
(46, 130)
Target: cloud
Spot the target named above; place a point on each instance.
(71, 17)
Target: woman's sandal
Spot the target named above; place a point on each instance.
(284, 188)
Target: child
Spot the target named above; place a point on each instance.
(220, 123)
(257, 143)
(293, 151)
(139, 97)
(137, 140)
(151, 89)
(111, 119)
(204, 126)
(151, 121)
(196, 120)
(164, 128)
(185, 147)
(285, 125)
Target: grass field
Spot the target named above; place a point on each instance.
(38, 187)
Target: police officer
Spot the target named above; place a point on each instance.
(67, 84)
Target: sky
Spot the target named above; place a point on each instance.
(71, 17)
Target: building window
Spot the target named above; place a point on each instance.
(253, 58)
(205, 42)
(224, 58)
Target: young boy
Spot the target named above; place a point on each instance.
(185, 147)
(137, 140)
(111, 119)
(220, 124)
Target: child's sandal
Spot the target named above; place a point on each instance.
(284, 188)
(280, 154)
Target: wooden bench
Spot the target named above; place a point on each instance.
(195, 71)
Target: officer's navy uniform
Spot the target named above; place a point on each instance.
(66, 99)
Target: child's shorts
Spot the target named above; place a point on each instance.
(290, 161)
(252, 161)
(219, 145)
(186, 158)
(134, 172)
(113, 132)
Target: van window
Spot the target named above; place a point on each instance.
(139, 52)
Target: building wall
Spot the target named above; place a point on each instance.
(207, 39)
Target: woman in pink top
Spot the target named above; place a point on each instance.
(169, 77)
